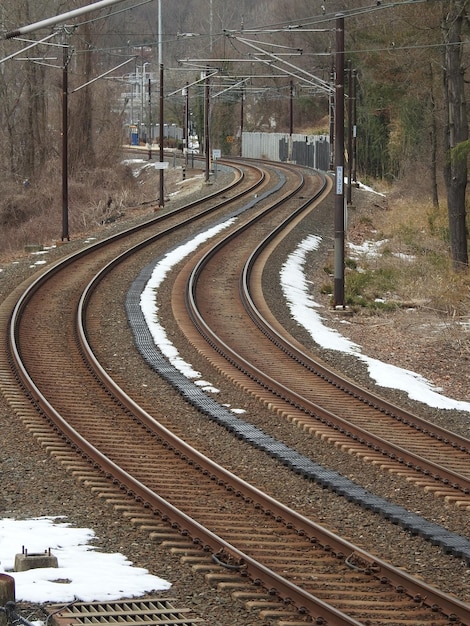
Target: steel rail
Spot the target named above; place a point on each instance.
(200, 535)
(135, 488)
(358, 392)
(255, 374)
(439, 473)
(208, 540)
(427, 467)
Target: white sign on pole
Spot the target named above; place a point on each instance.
(339, 180)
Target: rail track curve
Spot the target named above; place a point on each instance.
(299, 385)
(113, 435)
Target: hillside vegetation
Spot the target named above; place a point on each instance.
(274, 64)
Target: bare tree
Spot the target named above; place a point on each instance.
(82, 152)
(456, 132)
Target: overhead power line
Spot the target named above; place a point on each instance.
(63, 17)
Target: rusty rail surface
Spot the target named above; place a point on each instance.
(320, 400)
(312, 571)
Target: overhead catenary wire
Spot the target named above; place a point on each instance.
(113, 13)
(298, 26)
(327, 17)
(63, 17)
(35, 43)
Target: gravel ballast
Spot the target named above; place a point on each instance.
(35, 485)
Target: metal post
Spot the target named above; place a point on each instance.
(162, 191)
(291, 120)
(354, 116)
(161, 100)
(185, 124)
(242, 115)
(206, 127)
(332, 114)
(339, 166)
(350, 134)
(142, 91)
(149, 132)
(65, 144)
(133, 79)
(160, 28)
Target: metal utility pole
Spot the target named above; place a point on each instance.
(211, 26)
(354, 126)
(331, 97)
(350, 134)
(185, 93)
(160, 43)
(65, 144)
(291, 118)
(160, 65)
(161, 155)
(149, 132)
(142, 94)
(242, 115)
(206, 127)
(339, 166)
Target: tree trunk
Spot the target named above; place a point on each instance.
(433, 133)
(455, 170)
(82, 152)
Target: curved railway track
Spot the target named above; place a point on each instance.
(297, 384)
(309, 573)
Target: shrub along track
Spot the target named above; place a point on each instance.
(248, 534)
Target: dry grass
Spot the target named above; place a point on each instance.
(412, 265)
(33, 215)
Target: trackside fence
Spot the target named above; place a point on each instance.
(310, 150)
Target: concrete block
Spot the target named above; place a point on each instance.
(26, 561)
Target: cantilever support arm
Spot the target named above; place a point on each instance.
(63, 17)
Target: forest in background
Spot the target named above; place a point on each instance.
(273, 59)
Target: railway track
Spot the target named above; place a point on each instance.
(297, 384)
(310, 573)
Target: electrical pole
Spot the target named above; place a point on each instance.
(339, 166)
(242, 115)
(354, 117)
(206, 127)
(331, 97)
(291, 118)
(162, 186)
(211, 26)
(186, 124)
(350, 133)
(149, 132)
(65, 142)
(160, 64)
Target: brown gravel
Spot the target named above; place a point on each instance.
(34, 485)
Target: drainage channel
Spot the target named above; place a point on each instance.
(145, 612)
(151, 612)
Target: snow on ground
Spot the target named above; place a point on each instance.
(83, 573)
(305, 311)
(367, 248)
(89, 575)
(150, 309)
